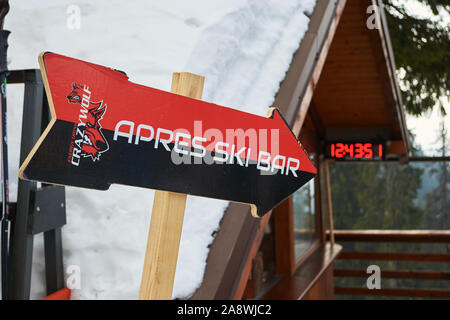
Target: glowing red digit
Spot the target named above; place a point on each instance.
(359, 150)
(380, 151)
(340, 150)
(349, 149)
(333, 147)
(368, 150)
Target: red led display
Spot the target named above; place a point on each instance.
(355, 151)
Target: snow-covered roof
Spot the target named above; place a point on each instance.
(242, 47)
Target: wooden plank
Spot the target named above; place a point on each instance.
(395, 274)
(321, 202)
(306, 276)
(321, 58)
(317, 124)
(230, 247)
(389, 54)
(429, 159)
(284, 237)
(329, 204)
(442, 236)
(187, 84)
(167, 219)
(396, 147)
(391, 292)
(395, 256)
(389, 85)
(253, 251)
(324, 287)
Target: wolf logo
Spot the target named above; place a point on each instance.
(74, 96)
(92, 142)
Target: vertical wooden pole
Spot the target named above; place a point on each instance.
(167, 219)
(330, 205)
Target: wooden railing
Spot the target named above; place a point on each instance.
(400, 236)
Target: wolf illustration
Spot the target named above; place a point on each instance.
(74, 96)
(94, 142)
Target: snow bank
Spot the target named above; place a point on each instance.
(242, 47)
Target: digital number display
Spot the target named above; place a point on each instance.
(355, 151)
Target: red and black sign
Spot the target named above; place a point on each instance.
(106, 130)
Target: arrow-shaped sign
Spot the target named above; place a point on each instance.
(105, 130)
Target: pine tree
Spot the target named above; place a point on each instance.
(437, 200)
(422, 50)
(376, 196)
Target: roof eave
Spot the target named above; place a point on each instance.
(389, 56)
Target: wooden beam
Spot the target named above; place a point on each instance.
(292, 287)
(389, 52)
(321, 199)
(384, 59)
(396, 147)
(253, 251)
(329, 204)
(317, 121)
(167, 219)
(438, 236)
(395, 256)
(309, 136)
(188, 84)
(429, 159)
(284, 237)
(230, 247)
(319, 63)
(395, 274)
(414, 293)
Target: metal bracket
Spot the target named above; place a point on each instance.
(48, 209)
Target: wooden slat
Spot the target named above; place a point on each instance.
(396, 147)
(429, 159)
(284, 237)
(166, 223)
(414, 293)
(317, 71)
(253, 251)
(442, 236)
(329, 203)
(394, 256)
(395, 274)
(295, 286)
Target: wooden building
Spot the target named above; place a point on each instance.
(341, 85)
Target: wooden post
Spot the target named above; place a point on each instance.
(167, 219)
(330, 205)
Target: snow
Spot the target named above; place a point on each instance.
(242, 47)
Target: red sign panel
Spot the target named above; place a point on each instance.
(106, 129)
